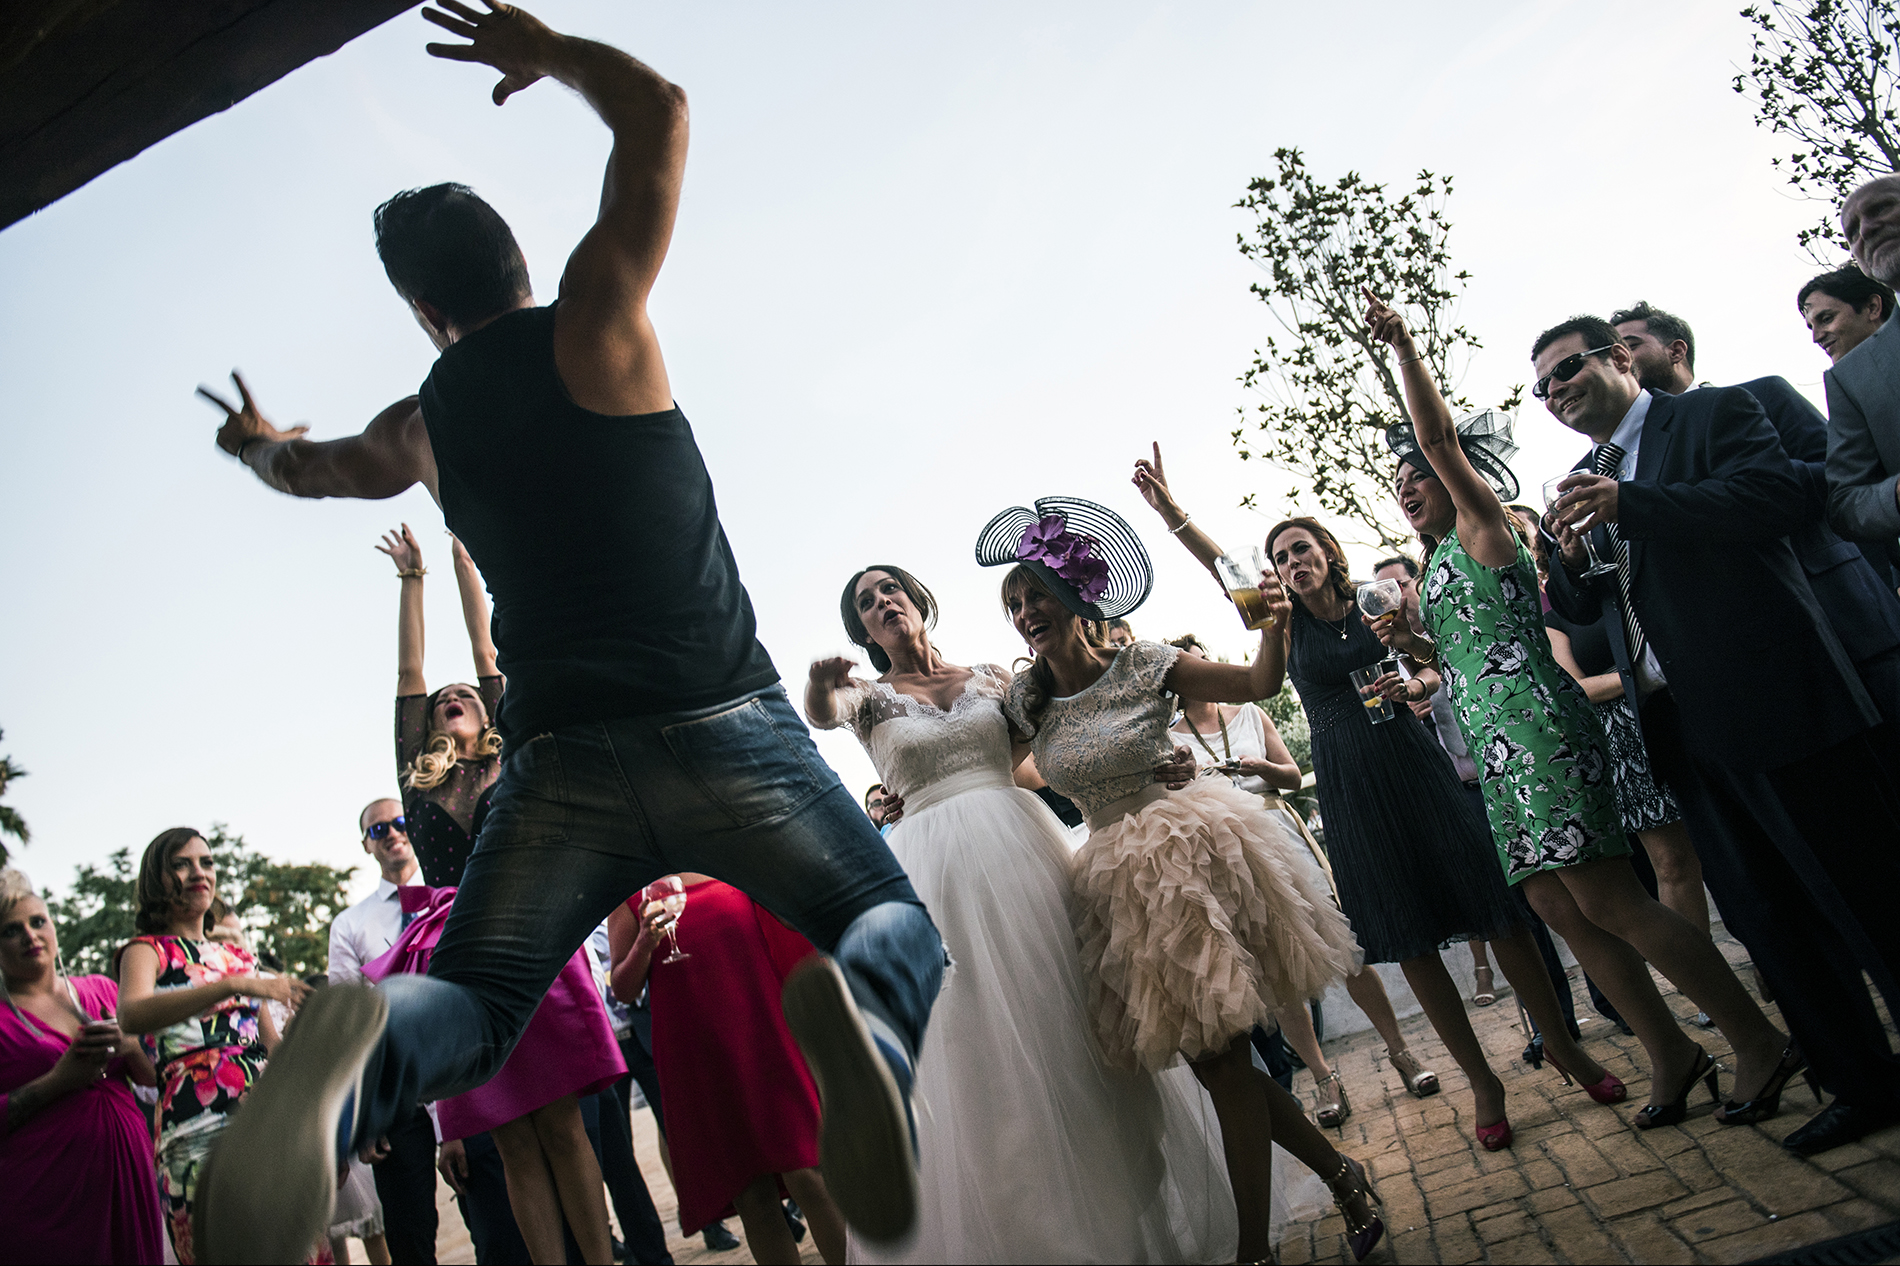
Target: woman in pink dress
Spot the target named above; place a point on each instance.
(74, 1147)
(741, 1110)
(448, 757)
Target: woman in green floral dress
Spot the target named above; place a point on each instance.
(1540, 748)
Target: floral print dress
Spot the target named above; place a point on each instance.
(1538, 743)
(206, 1065)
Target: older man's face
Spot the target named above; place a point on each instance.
(1870, 221)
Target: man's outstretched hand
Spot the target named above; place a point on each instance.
(513, 42)
(246, 423)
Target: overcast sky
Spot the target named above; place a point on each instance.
(931, 262)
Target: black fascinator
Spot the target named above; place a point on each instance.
(1486, 438)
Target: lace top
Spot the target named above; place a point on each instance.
(914, 743)
(1103, 744)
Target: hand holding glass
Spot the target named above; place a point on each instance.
(1376, 597)
(1366, 682)
(1597, 566)
(671, 894)
(1242, 578)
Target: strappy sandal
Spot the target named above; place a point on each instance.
(1486, 992)
(1331, 1115)
(1419, 1082)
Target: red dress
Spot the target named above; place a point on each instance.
(739, 1101)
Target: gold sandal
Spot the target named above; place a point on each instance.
(1486, 991)
(1418, 1081)
(1331, 1115)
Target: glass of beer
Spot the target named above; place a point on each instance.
(1365, 680)
(1242, 578)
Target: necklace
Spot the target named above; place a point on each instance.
(1224, 744)
(1341, 630)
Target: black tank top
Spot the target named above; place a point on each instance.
(615, 592)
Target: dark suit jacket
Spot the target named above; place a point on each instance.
(1756, 671)
(1853, 583)
(1863, 438)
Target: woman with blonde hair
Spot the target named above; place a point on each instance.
(74, 1145)
(198, 1005)
(448, 758)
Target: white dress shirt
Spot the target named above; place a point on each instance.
(364, 932)
(1628, 436)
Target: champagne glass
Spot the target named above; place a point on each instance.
(1376, 597)
(1597, 566)
(1242, 578)
(671, 894)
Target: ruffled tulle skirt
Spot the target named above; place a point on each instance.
(1031, 1146)
(1198, 920)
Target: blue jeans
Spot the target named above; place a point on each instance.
(587, 815)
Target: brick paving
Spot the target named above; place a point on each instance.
(1581, 1184)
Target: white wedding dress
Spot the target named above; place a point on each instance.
(1032, 1149)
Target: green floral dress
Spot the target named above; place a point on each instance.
(1538, 743)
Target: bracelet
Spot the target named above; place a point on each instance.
(1404, 363)
(412, 573)
(1176, 531)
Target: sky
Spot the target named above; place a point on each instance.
(931, 262)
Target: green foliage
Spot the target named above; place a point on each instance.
(1328, 389)
(11, 823)
(1822, 74)
(286, 909)
(1290, 719)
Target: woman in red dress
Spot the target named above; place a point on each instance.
(741, 1110)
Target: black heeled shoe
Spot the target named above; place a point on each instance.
(1767, 1100)
(1676, 1109)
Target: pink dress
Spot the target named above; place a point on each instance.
(739, 1100)
(79, 1182)
(568, 1047)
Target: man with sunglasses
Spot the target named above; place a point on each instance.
(1692, 498)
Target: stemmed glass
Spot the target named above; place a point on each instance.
(671, 894)
(1597, 566)
(1376, 597)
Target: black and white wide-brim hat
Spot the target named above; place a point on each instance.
(1486, 438)
(1085, 554)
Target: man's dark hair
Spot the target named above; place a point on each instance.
(445, 246)
(1666, 326)
(1852, 287)
(870, 791)
(1397, 560)
(1595, 330)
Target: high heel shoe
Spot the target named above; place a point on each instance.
(1419, 1082)
(1332, 1115)
(1607, 1091)
(1767, 1100)
(1485, 991)
(1363, 1233)
(1495, 1138)
(1671, 1113)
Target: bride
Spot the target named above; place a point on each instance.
(1031, 1147)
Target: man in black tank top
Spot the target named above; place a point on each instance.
(646, 730)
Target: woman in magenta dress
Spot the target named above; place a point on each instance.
(448, 756)
(74, 1147)
(741, 1109)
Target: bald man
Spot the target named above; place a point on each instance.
(1863, 387)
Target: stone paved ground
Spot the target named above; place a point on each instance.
(1580, 1185)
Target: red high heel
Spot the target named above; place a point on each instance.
(1608, 1091)
(1495, 1138)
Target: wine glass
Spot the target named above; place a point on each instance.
(1597, 566)
(1376, 597)
(671, 894)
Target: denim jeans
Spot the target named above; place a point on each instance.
(585, 816)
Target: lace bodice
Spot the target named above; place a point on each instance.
(1103, 744)
(914, 743)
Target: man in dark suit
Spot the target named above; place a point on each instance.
(1693, 497)
(1863, 387)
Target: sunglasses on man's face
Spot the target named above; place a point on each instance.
(1566, 369)
(379, 831)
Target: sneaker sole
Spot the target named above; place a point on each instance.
(864, 1147)
(266, 1190)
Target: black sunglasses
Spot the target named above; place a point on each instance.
(1566, 369)
(380, 830)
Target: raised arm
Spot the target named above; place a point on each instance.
(1482, 527)
(827, 678)
(1211, 682)
(390, 456)
(407, 555)
(1151, 480)
(604, 345)
(481, 638)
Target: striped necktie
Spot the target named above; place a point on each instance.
(1607, 460)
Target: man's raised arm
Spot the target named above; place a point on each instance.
(604, 346)
(390, 455)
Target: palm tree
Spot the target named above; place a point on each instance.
(11, 823)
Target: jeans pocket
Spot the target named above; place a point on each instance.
(530, 804)
(744, 763)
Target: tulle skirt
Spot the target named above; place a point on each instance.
(1199, 919)
(1032, 1147)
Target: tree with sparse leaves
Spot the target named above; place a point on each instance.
(11, 823)
(1823, 74)
(1328, 389)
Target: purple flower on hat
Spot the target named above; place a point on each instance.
(1068, 554)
